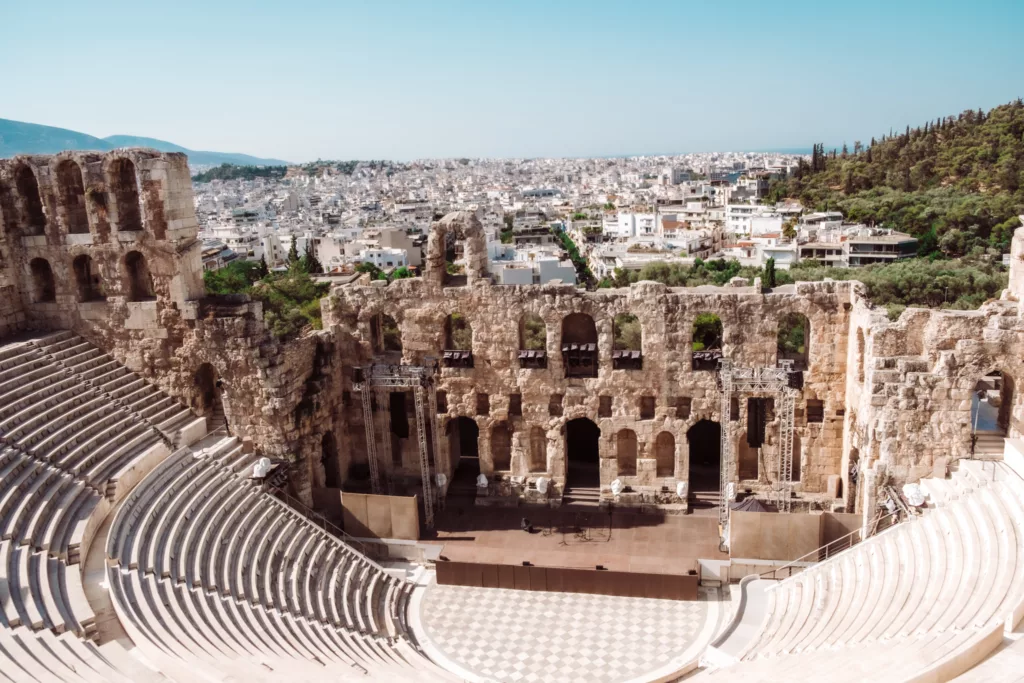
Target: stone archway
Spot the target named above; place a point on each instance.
(582, 454)
(206, 397)
(463, 455)
(705, 469)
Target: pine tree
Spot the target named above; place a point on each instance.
(263, 269)
(293, 254)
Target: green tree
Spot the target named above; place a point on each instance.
(626, 333)
(769, 274)
(375, 272)
(293, 254)
(707, 332)
(310, 263)
(263, 269)
(789, 228)
(234, 278)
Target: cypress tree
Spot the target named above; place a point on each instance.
(263, 269)
(293, 254)
(310, 263)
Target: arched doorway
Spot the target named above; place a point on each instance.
(582, 456)
(991, 409)
(705, 473)
(464, 455)
(44, 290)
(329, 461)
(206, 397)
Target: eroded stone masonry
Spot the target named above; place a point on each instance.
(105, 245)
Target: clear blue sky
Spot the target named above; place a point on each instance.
(400, 80)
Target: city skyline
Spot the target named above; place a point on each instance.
(530, 80)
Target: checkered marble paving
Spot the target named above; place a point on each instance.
(533, 637)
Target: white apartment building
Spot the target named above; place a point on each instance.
(528, 265)
(383, 257)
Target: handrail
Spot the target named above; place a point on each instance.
(320, 520)
(831, 548)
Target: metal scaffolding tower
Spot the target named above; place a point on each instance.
(736, 381)
(381, 380)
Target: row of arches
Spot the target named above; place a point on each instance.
(793, 341)
(23, 210)
(88, 285)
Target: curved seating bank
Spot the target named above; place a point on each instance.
(211, 578)
(923, 601)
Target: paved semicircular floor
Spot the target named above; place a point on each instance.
(512, 635)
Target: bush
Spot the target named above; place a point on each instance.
(626, 333)
(291, 302)
(707, 332)
(234, 278)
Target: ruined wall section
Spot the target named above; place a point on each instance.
(13, 317)
(911, 383)
(549, 399)
(130, 215)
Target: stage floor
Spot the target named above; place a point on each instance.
(619, 540)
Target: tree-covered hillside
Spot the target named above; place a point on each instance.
(233, 172)
(956, 183)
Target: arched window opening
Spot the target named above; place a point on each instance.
(387, 337)
(665, 454)
(125, 186)
(501, 447)
(87, 280)
(329, 461)
(794, 339)
(860, 355)
(579, 345)
(625, 452)
(458, 342)
(538, 450)
(627, 342)
(140, 282)
(43, 288)
(707, 341)
(28, 189)
(533, 342)
(72, 197)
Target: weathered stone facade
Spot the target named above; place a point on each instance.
(106, 245)
(129, 215)
(749, 317)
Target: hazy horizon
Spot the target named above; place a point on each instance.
(415, 80)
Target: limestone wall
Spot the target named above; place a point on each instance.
(134, 206)
(750, 322)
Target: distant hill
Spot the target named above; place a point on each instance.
(956, 183)
(17, 137)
